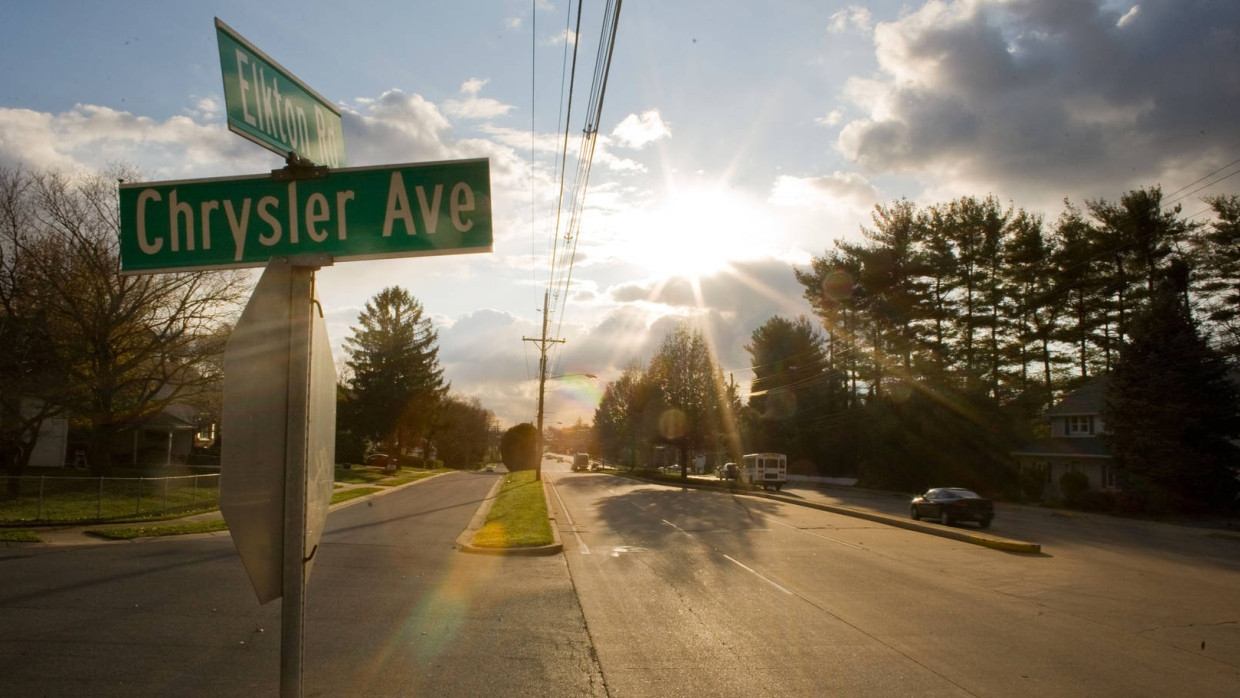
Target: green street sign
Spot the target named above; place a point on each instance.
(268, 105)
(411, 210)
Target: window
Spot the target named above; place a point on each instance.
(1080, 425)
(1109, 481)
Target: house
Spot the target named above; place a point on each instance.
(51, 443)
(1074, 444)
(165, 438)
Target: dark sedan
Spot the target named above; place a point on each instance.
(951, 504)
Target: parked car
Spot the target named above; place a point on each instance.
(379, 459)
(727, 471)
(951, 504)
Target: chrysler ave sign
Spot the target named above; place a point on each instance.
(268, 105)
(410, 210)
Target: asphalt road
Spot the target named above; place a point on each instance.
(689, 592)
(659, 591)
(393, 609)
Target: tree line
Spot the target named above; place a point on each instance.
(944, 334)
(80, 340)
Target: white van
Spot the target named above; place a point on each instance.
(765, 469)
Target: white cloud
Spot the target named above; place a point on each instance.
(1050, 99)
(473, 106)
(833, 118)
(204, 109)
(93, 137)
(852, 17)
(841, 193)
(564, 36)
(639, 131)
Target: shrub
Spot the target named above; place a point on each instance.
(350, 448)
(1073, 485)
(1093, 500)
(518, 447)
(1032, 484)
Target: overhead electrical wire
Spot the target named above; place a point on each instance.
(559, 210)
(598, 90)
(571, 200)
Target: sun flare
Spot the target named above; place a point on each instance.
(695, 233)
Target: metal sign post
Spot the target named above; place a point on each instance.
(293, 605)
(279, 413)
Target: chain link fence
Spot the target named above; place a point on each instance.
(56, 499)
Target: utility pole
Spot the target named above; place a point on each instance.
(542, 343)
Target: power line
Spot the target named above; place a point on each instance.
(594, 109)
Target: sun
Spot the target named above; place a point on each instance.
(696, 232)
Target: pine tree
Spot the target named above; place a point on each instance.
(1171, 409)
(397, 382)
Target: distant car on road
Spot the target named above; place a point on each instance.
(581, 461)
(951, 504)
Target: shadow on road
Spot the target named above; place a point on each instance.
(645, 513)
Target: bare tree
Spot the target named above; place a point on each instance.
(127, 346)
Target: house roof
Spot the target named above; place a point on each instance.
(164, 420)
(1087, 399)
(1076, 447)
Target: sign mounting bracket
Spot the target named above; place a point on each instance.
(297, 168)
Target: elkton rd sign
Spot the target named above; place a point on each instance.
(410, 210)
(270, 106)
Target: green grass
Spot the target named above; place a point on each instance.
(353, 493)
(518, 516)
(172, 529)
(405, 476)
(19, 536)
(359, 475)
(74, 499)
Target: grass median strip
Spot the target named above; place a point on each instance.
(148, 531)
(518, 516)
(19, 536)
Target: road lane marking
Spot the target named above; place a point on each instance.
(581, 544)
(734, 561)
(818, 535)
(758, 574)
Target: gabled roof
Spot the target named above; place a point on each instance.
(1087, 399)
(166, 420)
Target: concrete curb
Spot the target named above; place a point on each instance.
(465, 540)
(963, 535)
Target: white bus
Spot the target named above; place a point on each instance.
(765, 469)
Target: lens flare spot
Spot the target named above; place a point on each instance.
(838, 286)
(673, 424)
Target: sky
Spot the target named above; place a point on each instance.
(737, 140)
